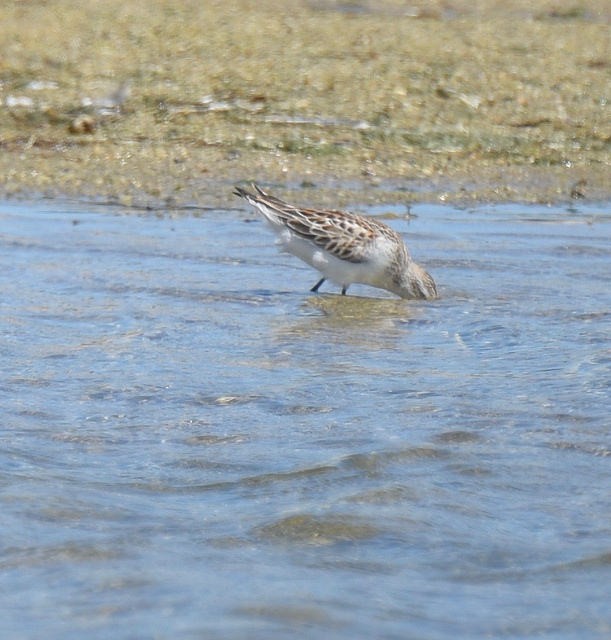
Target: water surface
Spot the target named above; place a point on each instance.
(194, 446)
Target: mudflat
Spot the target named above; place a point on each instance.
(169, 104)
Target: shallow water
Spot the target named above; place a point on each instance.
(194, 446)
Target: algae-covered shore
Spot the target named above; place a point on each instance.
(170, 103)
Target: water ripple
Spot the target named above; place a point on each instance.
(196, 446)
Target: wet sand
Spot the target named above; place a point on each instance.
(170, 104)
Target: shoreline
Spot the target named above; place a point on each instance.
(369, 103)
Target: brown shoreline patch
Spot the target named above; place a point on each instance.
(165, 105)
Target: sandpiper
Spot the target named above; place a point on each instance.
(344, 247)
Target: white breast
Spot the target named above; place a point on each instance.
(341, 272)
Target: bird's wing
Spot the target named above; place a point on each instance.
(344, 235)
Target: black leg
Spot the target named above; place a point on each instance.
(315, 288)
(344, 289)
